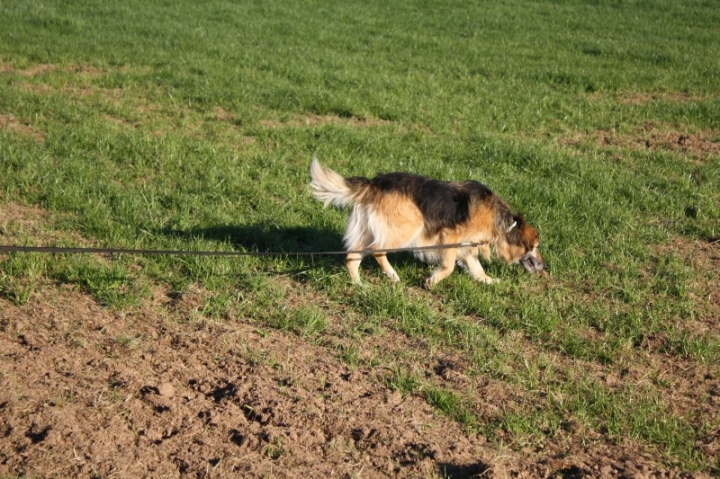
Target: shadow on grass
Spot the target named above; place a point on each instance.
(265, 238)
(294, 243)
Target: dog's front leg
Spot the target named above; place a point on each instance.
(447, 265)
(475, 269)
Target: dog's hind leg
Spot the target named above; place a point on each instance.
(386, 267)
(447, 265)
(357, 238)
(353, 265)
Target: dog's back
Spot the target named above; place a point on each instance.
(442, 204)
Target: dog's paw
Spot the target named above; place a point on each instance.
(488, 280)
(429, 283)
(393, 277)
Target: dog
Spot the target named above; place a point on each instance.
(405, 210)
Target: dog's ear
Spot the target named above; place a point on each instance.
(517, 223)
(513, 233)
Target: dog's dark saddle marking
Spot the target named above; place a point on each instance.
(443, 204)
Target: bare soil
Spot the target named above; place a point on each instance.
(297, 121)
(13, 125)
(89, 392)
(699, 146)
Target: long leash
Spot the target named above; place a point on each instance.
(159, 252)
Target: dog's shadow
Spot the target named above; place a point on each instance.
(265, 238)
(321, 244)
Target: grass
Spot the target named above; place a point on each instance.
(176, 125)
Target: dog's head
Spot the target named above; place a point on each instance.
(521, 244)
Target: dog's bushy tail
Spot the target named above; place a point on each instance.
(331, 188)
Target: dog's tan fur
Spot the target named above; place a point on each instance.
(401, 210)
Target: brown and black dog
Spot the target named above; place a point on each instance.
(401, 210)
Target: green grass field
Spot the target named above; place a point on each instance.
(191, 125)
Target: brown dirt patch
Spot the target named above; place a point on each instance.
(30, 71)
(650, 137)
(41, 68)
(221, 114)
(298, 121)
(38, 89)
(13, 125)
(643, 98)
(28, 216)
(23, 224)
(119, 121)
(85, 70)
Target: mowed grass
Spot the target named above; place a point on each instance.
(191, 125)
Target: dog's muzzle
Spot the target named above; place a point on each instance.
(532, 264)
